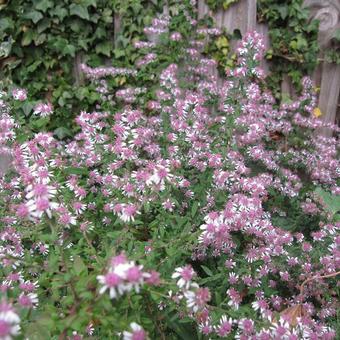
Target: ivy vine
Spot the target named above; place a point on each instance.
(294, 46)
(40, 39)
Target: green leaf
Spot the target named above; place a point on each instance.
(331, 202)
(336, 35)
(69, 50)
(293, 45)
(88, 3)
(79, 11)
(83, 44)
(27, 38)
(27, 107)
(194, 209)
(285, 98)
(62, 132)
(39, 330)
(38, 40)
(211, 278)
(5, 49)
(227, 3)
(76, 171)
(301, 43)
(184, 332)
(76, 25)
(43, 5)
(207, 271)
(49, 63)
(35, 16)
(79, 265)
(104, 48)
(43, 25)
(60, 12)
(119, 53)
(222, 42)
(283, 10)
(33, 66)
(6, 23)
(41, 122)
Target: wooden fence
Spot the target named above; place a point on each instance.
(242, 15)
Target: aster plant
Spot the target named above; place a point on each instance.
(182, 209)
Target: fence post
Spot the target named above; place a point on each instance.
(327, 76)
(5, 163)
(240, 15)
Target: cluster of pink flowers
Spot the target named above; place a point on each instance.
(19, 94)
(196, 298)
(43, 110)
(216, 171)
(124, 276)
(137, 332)
(129, 95)
(100, 72)
(159, 25)
(147, 59)
(7, 128)
(9, 321)
(176, 36)
(209, 31)
(144, 44)
(23, 292)
(31, 162)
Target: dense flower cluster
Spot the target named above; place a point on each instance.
(43, 110)
(196, 298)
(219, 202)
(9, 321)
(123, 276)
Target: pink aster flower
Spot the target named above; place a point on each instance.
(185, 275)
(168, 205)
(29, 300)
(110, 281)
(9, 321)
(176, 36)
(136, 333)
(43, 110)
(224, 327)
(19, 94)
(122, 276)
(197, 299)
(247, 326)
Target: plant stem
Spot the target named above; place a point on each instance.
(315, 278)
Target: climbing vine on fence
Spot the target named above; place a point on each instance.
(332, 54)
(293, 38)
(39, 41)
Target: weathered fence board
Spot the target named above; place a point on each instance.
(5, 162)
(326, 76)
(241, 15)
(329, 94)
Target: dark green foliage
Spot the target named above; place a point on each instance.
(39, 41)
(216, 4)
(294, 46)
